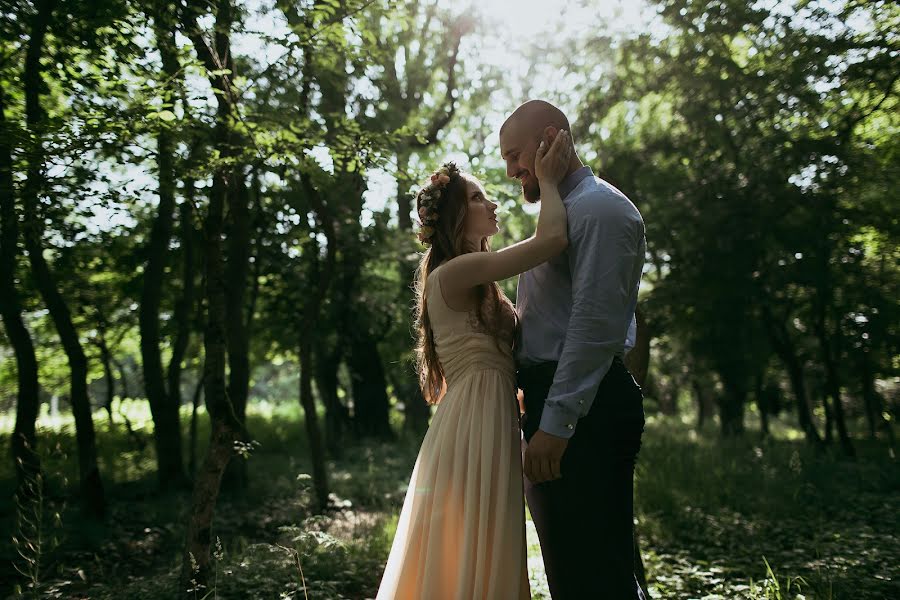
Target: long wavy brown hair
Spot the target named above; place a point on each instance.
(448, 241)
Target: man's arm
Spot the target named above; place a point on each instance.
(605, 242)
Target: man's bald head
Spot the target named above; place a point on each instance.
(535, 115)
(520, 135)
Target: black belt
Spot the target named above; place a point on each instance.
(543, 370)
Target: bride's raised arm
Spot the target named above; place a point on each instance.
(550, 237)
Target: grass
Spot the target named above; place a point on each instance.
(714, 514)
(717, 519)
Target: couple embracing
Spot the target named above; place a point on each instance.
(461, 532)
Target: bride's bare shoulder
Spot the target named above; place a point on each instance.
(456, 297)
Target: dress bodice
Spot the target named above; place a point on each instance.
(463, 343)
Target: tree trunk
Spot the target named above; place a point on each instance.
(258, 226)
(780, 339)
(762, 404)
(668, 399)
(311, 420)
(320, 277)
(184, 307)
(702, 402)
(731, 405)
(801, 399)
(192, 436)
(829, 418)
(236, 272)
(123, 378)
(416, 411)
(225, 429)
(319, 282)
(832, 384)
(874, 407)
(164, 404)
(337, 417)
(870, 400)
(370, 399)
(139, 442)
(89, 473)
(106, 360)
(26, 461)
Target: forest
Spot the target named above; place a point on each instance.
(207, 248)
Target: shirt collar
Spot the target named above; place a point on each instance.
(567, 185)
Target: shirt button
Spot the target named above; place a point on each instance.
(570, 426)
(581, 402)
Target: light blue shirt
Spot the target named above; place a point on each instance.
(578, 308)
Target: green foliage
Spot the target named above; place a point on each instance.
(746, 135)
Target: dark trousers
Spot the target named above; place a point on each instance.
(585, 520)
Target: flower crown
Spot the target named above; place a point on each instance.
(428, 199)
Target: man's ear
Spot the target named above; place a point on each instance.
(550, 134)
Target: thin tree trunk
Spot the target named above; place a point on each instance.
(832, 384)
(258, 228)
(108, 374)
(784, 347)
(24, 440)
(829, 418)
(91, 483)
(185, 305)
(731, 406)
(337, 417)
(163, 407)
(311, 420)
(236, 272)
(873, 410)
(762, 404)
(873, 404)
(320, 278)
(139, 442)
(123, 378)
(702, 402)
(668, 400)
(801, 399)
(225, 429)
(195, 403)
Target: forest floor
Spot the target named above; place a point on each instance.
(712, 516)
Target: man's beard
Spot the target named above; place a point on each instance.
(531, 189)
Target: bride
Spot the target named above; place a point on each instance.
(461, 532)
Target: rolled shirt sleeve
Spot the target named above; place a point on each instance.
(606, 244)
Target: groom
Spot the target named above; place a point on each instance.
(583, 411)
